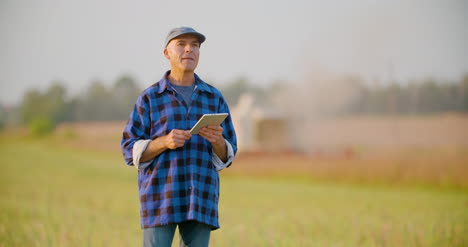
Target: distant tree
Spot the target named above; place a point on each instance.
(430, 97)
(2, 118)
(95, 104)
(55, 102)
(413, 97)
(100, 103)
(32, 106)
(43, 111)
(462, 96)
(72, 109)
(378, 100)
(124, 95)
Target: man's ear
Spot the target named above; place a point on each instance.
(166, 53)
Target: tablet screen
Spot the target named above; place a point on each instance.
(207, 120)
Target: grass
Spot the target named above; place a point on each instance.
(60, 196)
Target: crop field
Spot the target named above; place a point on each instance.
(63, 191)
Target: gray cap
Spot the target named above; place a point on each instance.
(176, 32)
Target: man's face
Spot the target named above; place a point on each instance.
(183, 53)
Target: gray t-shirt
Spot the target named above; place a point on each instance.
(185, 91)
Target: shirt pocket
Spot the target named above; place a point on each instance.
(169, 116)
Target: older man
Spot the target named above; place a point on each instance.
(178, 177)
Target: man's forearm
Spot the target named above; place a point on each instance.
(155, 148)
(221, 150)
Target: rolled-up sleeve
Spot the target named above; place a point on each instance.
(229, 134)
(218, 163)
(137, 128)
(138, 149)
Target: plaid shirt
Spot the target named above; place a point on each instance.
(180, 184)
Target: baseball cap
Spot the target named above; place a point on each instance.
(176, 32)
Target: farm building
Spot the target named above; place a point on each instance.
(258, 128)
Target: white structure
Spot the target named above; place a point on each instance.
(257, 128)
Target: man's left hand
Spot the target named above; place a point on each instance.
(213, 134)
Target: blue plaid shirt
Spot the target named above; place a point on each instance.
(180, 184)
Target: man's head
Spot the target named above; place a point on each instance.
(183, 48)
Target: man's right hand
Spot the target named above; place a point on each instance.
(176, 138)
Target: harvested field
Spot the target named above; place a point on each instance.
(427, 150)
(57, 195)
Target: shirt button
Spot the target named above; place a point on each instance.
(190, 188)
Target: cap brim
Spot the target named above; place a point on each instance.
(201, 38)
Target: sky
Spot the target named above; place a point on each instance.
(75, 42)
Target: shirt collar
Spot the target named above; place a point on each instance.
(199, 84)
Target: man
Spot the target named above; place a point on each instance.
(178, 177)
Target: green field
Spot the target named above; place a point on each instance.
(61, 196)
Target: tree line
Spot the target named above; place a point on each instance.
(43, 110)
(417, 97)
(427, 96)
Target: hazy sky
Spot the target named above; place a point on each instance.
(78, 41)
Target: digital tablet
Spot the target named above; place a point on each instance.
(208, 119)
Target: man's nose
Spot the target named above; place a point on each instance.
(188, 48)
